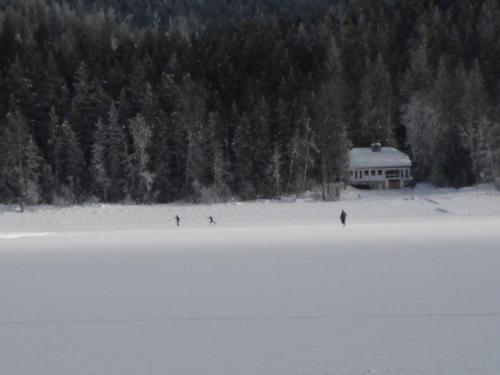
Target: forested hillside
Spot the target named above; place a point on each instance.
(198, 12)
(158, 101)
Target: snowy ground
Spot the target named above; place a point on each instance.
(409, 287)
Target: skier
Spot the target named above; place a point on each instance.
(343, 217)
(211, 220)
(178, 220)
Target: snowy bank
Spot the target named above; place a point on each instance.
(361, 205)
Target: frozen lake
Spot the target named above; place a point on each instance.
(407, 296)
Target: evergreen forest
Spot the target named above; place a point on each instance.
(209, 100)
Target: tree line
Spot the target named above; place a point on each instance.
(234, 102)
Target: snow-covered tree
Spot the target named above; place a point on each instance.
(331, 136)
(421, 123)
(275, 171)
(477, 126)
(67, 158)
(218, 175)
(305, 150)
(21, 160)
(116, 157)
(141, 138)
(191, 115)
(221, 175)
(263, 147)
(495, 149)
(450, 162)
(89, 103)
(100, 179)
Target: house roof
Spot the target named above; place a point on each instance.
(387, 157)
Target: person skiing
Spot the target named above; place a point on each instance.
(211, 220)
(343, 217)
(178, 220)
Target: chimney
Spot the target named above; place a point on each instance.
(376, 147)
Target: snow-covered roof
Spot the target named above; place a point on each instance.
(387, 157)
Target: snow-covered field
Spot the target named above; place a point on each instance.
(410, 286)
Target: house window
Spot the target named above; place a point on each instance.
(373, 172)
(366, 173)
(380, 172)
(392, 173)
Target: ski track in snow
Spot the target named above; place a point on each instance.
(493, 315)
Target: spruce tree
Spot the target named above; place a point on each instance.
(275, 172)
(20, 86)
(191, 115)
(89, 103)
(142, 178)
(68, 160)
(166, 148)
(476, 126)
(305, 150)
(219, 175)
(21, 160)
(331, 139)
(243, 149)
(451, 164)
(263, 149)
(377, 121)
(100, 180)
(116, 157)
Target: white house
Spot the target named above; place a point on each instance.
(379, 167)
